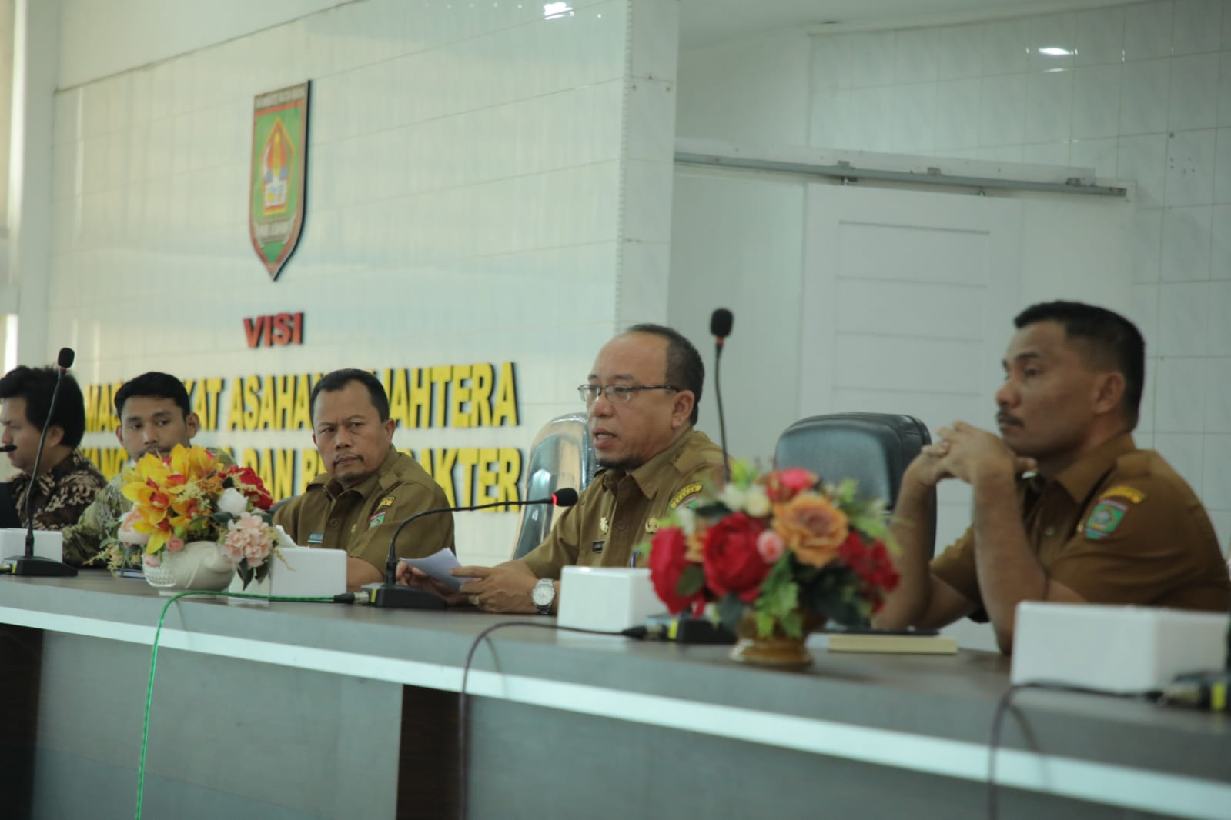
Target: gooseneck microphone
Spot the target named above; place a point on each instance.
(392, 596)
(28, 564)
(721, 321)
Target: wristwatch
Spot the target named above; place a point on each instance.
(543, 594)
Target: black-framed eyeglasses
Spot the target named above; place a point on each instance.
(617, 393)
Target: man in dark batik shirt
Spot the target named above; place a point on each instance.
(67, 482)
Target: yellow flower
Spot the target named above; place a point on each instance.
(170, 496)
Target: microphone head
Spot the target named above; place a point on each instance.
(721, 321)
(564, 497)
(65, 359)
(8, 448)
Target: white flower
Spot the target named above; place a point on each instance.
(756, 501)
(232, 501)
(127, 534)
(282, 539)
(687, 519)
(734, 497)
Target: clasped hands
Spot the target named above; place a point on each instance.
(505, 587)
(969, 454)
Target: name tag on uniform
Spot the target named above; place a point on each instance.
(597, 546)
(316, 538)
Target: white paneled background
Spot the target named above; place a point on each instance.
(1137, 92)
(469, 174)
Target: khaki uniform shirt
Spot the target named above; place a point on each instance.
(60, 494)
(620, 509)
(362, 518)
(1118, 527)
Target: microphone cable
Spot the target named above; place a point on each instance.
(149, 687)
(463, 782)
(1005, 704)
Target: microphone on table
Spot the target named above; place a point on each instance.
(28, 564)
(391, 595)
(721, 321)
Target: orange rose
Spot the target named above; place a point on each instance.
(812, 527)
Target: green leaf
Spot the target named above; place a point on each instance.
(730, 611)
(691, 581)
(743, 473)
(793, 624)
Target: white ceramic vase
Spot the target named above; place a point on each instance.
(199, 565)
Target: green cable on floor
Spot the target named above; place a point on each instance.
(149, 688)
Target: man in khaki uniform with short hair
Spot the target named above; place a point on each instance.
(642, 400)
(368, 487)
(1100, 521)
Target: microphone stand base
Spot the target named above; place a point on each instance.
(395, 596)
(35, 567)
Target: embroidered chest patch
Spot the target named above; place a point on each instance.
(1105, 518)
(376, 520)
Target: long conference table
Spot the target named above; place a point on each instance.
(299, 710)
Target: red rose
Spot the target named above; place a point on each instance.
(871, 562)
(668, 550)
(249, 483)
(733, 564)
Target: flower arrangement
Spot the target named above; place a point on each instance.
(191, 496)
(779, 546)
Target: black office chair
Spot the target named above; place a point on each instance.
(561, 456)
(872, 448)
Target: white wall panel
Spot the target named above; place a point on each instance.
(466, 200)
(1150, 83)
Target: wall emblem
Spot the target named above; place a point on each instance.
(278, 180)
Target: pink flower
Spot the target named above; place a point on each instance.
(783, 485)
(771, 546)
(248, 539)
(175, 544)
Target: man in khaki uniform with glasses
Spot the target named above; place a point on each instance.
(642, 397)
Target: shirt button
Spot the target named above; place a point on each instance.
(333, 522)
(1049, 532)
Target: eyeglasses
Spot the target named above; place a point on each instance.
(617, 393)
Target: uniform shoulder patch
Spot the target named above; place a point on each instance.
(1105, 518)
(1124, 491)
(684, 493)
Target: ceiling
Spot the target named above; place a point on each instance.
(703, 22)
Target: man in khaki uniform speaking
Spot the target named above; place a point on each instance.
(642, 397)
(368, 487)
(1099, 521)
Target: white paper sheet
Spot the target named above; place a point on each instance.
(437, 567)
